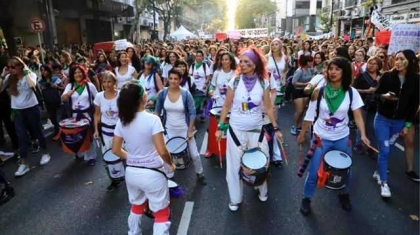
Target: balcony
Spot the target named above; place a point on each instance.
(338, 5)
(350, 3)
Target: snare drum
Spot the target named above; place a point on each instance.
(254, 160)
(75, 135)
(115, 165)
(178, 148)
(337, 164)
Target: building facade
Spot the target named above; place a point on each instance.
(301, 16)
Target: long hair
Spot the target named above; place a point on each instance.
(13, 79)
(168, 53)
(131, 96)
(342, 52)
(48, 69)
(67, 57)
(216, 64)
(135, 60)
(233, 65)
(322, 55)
(182, 62)
(413, 62)
(119, 56)
(347, 73)
(261, 65)
(73, 69)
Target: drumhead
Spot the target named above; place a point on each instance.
(215, 111)
(254, 159)
(338, 159)
(174, 142)
(108, 156)
(172, 184)
(72, 123)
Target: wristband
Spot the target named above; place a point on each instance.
(222, 126)
(276, 128)
(153, 99)
(408, 124)
(25, 72)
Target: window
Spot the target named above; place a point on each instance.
(302, 5)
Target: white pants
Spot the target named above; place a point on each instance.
(145, 184)
(142, 185)
(192, 147)
(234, 154)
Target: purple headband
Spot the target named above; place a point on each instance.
(251, 55)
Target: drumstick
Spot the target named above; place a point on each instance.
(374, 149)
(183, 142)
(283, 152)
(220, 154)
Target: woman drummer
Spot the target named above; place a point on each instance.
(106, 115)
(81, 93)
(178, 117)
(246, 97)
(146, 154)
(331, 131)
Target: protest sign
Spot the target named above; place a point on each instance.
(404, 36)
(121, 44)
(380, 21)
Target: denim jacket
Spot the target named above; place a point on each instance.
(187, 99)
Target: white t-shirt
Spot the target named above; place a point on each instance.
(247, 114)
(123, 78)
(26, 97)
(305, 53)
(165, 70)
(149, 84)
(333, 127)
(362, 68)
(175, 114)
(371, 51)
(199, 76)
(138, 137)
(81, 102)
(273, 70)
(109, 110)
(220, 81)
(318, 81)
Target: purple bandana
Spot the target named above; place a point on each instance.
(249, 81)
(251, 55)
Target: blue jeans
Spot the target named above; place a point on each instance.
(318, 156)
(29, 120)
(387, 131)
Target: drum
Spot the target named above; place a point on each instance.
(114, 165)
(178, 148)
(75, 135)
(337, 165)
(254, 160)
(212, 141)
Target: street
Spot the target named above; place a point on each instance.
(69, 198)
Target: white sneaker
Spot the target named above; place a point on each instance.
(377, 177)
(233, 206)
(385, 191)
(262, 198)
(45, 159)
(23, 169)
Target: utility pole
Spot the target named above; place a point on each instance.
(154, 21)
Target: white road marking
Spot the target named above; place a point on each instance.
(203, 148)
(400, 147)
(186, 218)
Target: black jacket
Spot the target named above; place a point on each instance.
(408, 96)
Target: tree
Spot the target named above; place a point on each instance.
(248, 11)
(325, 20)
(140, 6)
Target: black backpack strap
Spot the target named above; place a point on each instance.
(318, 101)
(351, 97)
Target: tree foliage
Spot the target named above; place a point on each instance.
(248, 10)
(325, 20)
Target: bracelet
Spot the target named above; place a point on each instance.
(276, 128)
(408, 124)
(222, 126)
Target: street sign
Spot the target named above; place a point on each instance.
(37, 25)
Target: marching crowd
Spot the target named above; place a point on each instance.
(135, 101)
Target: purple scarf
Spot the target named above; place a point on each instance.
(184, 80)
(249, 81)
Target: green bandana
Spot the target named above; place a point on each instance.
(334, 97)
(197, 65)
(79, 89)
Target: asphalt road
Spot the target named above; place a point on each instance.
(69, 198)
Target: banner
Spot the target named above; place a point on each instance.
(121, 45)
(380, 21)
(252, 33)
(382, 38)
(404, 36)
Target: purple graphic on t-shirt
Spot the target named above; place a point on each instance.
(333, 121)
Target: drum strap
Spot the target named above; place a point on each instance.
(235, 138)
(152, 169)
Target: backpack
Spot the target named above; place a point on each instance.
(204, 68)
(321, 93)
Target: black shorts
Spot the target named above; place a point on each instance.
(298, 93)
